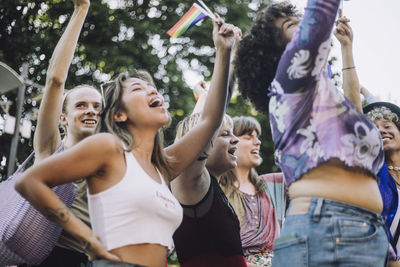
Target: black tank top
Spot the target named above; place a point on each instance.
(210, 226)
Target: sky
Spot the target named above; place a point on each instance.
(376, 45)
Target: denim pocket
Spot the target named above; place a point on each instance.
(355, 230)
(290, 250)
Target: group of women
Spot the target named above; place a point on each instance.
(144, 198)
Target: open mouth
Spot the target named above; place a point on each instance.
(232, 151)
(386, 138)
(156, 103)
(90, 122)
(255, 152)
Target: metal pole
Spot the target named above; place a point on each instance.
(15, 139)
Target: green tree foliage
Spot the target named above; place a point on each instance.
(119, 35)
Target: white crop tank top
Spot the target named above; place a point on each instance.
(136, 210)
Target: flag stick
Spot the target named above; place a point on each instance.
(204, 11)
(341, 6)
(208, 10)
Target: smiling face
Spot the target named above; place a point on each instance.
(390, 134)
(387, 123)
(222, 156)
(142, 105)
(81, 112)
(248, 151)
(288, 26)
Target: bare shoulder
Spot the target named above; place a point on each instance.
(102, 143)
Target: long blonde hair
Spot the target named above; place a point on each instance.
(112, 95)
(190, 121)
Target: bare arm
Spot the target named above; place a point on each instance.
(351, 85)
(200, 136)
(200, 88)
(47, 136)
(201, 92)
(83, 160)
(368, 96)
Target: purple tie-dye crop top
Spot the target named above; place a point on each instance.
(311, 121)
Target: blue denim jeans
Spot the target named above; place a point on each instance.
(332, 233)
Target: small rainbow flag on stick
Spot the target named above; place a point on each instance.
(194, 15)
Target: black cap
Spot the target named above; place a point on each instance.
(392, 107)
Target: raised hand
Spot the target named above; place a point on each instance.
(238, 36)
(200, 89)
(343, 31)
(224, 34)
(80, 3)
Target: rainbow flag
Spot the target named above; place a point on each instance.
(194, 15)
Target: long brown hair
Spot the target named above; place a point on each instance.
(243, 125)
(112, 94)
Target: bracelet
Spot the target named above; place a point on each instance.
(349, 68)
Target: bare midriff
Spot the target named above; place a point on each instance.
(332, 180)
(152, 255)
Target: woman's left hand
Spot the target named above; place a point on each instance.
(343, 31)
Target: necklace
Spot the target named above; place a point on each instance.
(393, 176)
(397, 183)
(393, 168)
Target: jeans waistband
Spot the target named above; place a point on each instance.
(316, 207)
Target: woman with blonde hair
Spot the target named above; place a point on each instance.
(210, 232)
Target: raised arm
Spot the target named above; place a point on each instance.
(351, 85)
(201, 93)
(200, 135)
(47, 136)
(200, 88)
(85, 159)
(368, 96)
(307, 52)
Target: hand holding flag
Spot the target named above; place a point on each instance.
(195, 14)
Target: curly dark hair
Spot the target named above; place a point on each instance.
(259, 53)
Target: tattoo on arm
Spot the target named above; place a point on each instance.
(203, 156)
(86, 246)
(60, 215)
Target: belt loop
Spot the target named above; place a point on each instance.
(317, 210)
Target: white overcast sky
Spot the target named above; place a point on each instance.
(376, 27)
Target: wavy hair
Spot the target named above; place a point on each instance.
(112, 94)
(259, 53)
(383, 113)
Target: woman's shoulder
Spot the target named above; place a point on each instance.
(273, 177)
(103, 143)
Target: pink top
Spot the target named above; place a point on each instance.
(259, 225)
